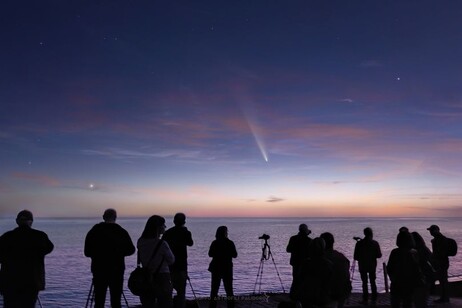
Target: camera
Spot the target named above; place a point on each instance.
(264, 237)
(357, 238)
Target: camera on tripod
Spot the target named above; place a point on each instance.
(265, 255)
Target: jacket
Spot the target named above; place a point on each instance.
(22, 255)
(107, 244)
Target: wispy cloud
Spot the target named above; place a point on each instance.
(274, 199)
(37, 178)
(119, 153)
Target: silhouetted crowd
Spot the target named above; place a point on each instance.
(321, 275)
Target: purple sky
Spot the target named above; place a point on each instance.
(231, 108)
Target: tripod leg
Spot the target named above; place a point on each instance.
(90, 295)
(39, 301)
(259, 274)
(125, 298)
(192, 289)
(280, 280)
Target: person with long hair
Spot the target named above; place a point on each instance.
(158, 262)
(422, 293)
(404, 271)
(222, 251)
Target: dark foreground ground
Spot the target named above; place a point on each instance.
(273, 300)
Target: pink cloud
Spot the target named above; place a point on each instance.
(40, 179)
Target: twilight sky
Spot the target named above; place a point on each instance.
(231, 108)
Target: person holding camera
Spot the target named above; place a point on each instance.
(222, 251)
(298, 248)
(366, 252)
(178, 238)
(107, 244)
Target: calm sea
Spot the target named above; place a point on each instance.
(68, 270)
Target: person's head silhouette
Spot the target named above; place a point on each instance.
(24, 218)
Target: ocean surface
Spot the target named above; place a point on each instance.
(68, 270)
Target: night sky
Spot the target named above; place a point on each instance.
(231, 108)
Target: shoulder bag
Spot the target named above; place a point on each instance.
(141, 280)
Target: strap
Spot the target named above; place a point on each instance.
(138, 261)
(158, 268)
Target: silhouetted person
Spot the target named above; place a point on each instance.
(440, 261)
(367, 251)
(298, 247)
(404, 229)
(317, 274)
(222, 251)
(22, 255)
(160, 262)
(178, 238)
(422, 293)
(341, 283)
(404, 270)
(107, 244)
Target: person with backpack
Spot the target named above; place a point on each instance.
(440, 261)
(155, 254)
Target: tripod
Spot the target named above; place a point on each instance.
(265, 255)
(91, 296)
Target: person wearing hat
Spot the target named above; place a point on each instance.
(298, 247)
(107, 244)
(178, 238)
(22, 255)
(440, 261)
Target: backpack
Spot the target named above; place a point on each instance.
(452, 247)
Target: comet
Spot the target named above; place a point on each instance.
(255, 130)
(258, 140)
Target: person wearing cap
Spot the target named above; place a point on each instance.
(178, 238)
(22, 256)
(107, 244)
(366, 252)
(298, 247)
(440, 261)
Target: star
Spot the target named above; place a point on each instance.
(398, 78)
